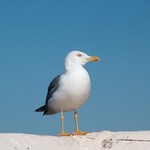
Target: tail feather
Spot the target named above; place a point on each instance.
(46, 111)
(41, 109)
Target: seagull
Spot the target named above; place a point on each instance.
(70, 90)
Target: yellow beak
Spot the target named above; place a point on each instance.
(93, 58)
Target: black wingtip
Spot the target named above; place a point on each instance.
(41, 109)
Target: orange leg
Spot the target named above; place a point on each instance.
(77, 131)
(63, 133)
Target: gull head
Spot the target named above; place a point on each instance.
(76, 58)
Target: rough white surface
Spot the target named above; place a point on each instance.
(105, 140)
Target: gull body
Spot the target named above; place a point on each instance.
(73, 91)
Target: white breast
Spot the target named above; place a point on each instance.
(73, 91)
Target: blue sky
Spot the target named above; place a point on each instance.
(35, 37)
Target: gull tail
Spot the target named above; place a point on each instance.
(41, 109)
(45, 110)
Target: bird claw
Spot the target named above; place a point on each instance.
(78, 132)
(64, 134)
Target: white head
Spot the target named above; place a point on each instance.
(76, 58)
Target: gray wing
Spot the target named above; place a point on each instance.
(51, 89)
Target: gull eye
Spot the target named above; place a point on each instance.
(79, 55)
